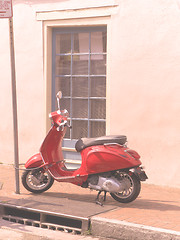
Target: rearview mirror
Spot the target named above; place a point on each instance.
(59, 95)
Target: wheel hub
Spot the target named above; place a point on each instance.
(36, 180)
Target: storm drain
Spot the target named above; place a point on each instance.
(45, 219)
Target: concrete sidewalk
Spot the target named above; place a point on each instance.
(155, 214)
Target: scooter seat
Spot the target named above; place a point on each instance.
(88, 142)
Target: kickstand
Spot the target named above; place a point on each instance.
(103, 199)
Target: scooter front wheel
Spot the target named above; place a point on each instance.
(37, 181)
(131, 190)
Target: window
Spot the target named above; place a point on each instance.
(79, 71)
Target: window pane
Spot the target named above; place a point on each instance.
(98, 64)
(63, 43)
(63, 65)
(67, 135)
(96, 42)
(98, 87)
(79, 129)
(79, 108)
(65, 104)
(98, 109)
(63, 85)
(97, 129)
(80, 87)
(81, 43)
(104, 35)
(80, 67)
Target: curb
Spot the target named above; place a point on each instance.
(123, 230)
(16, 231)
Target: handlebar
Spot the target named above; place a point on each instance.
(62, 124)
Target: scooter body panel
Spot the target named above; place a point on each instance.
(102, 158)
(51, 152)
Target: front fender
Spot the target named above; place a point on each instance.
(34, 161)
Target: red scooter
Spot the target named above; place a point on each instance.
(108, 165)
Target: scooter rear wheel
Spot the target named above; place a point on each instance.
(37, 181)
(132, 189)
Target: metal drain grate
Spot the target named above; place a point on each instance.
(44, 219)
(42, 225)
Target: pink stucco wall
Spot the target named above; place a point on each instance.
(145, 70)
(143, 80)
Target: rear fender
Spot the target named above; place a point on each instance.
(34, 161)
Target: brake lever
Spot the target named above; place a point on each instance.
(67, 125)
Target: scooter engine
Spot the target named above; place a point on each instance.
(108, 184)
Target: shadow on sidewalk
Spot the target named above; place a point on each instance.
(58, 198)
(159, 205)
(139, 203)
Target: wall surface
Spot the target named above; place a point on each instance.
(145, 70)
(143, 86)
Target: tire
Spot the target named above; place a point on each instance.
(37, 181)
(132, 187)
